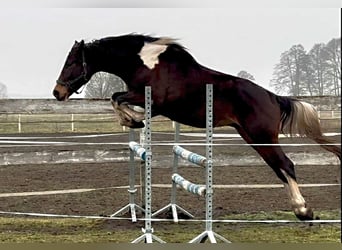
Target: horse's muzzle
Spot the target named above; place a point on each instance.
(56, 94)
(61, 93)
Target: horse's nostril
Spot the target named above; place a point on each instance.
(56, 93)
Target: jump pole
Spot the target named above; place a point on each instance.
(188, 186)
(131, 206)
(209, 233)
(172, 205)
(148, 235)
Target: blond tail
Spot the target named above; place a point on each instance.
(302, 120)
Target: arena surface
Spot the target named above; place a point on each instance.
(93, 188)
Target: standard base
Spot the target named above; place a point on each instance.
(173, 208)
(211, 236)
(129, 208)
(148, 238)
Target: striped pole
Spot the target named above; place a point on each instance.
(190, 156)
(138, 150)
(172, 206)
(188, 186)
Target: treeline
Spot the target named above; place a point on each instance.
(316, 72)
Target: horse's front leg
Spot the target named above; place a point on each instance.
(128, 116)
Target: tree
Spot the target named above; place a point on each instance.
(103, 85)
(332, 56)
(3, 91)
(319, 68)
(317, 72)
(244, 74)
(289, 73)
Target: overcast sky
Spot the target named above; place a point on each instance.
(34, 42)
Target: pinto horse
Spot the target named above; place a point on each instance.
(178, 91)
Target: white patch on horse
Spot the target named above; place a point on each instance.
(150, 52)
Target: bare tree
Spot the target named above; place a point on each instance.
(319, 68)
(332, 56)
(3, 91)
(102, 85)
(244, 74)
(315, 73)
(290, 72)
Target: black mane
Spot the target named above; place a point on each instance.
(134, 41)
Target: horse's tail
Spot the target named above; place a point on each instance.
(301, 118)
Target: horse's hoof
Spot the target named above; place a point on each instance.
(304, 213)
(132, 124)
(135, 124)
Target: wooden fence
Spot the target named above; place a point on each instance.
(93, 115)
(51, 116)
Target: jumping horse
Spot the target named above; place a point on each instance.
(178, 90)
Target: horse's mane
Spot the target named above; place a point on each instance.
(138, 38)
(135, 42)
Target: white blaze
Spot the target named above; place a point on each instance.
(150, 52)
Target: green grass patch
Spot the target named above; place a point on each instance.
(37, 230)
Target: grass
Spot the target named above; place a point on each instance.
(47, 230)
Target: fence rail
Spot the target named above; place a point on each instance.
(92, 115)
(55, 123)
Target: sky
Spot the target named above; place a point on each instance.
(34, 42)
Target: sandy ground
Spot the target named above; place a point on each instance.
(108, 178)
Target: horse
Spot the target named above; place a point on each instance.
(178, 88)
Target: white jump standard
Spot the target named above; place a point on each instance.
(172, 206)
(209, 233)
(131, 207)
(194, 188)
(148, 235)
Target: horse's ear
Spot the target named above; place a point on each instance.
(80, 43)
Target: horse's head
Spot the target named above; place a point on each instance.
(74, 73)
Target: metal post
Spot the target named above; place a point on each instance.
(142, 139)
(208, 233)
(131, 206)
(209, 156)
(148, 236)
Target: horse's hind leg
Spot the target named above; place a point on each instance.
(284, 169)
